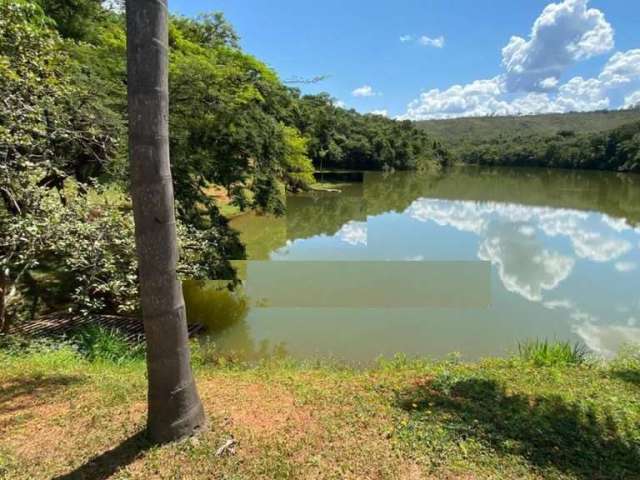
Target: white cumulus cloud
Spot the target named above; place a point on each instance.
(563, 34)
(579, 94)
(548, 83)
(114, 5)
(474, 99)
(382, 113)
(364, 91)
(424, 40)
(622, 68)
(632, 100)
(487, 97)
(437, 42)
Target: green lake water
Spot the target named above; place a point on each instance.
(470, 260)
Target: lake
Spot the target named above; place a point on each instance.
(470, 260)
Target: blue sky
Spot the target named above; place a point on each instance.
(447, 58)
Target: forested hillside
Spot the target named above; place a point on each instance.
(479, 130)
(617, 149)
(608, 140)
(67, 230)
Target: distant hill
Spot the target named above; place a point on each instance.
(479, 130)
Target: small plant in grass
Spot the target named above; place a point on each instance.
(99, 343)
(544, 353)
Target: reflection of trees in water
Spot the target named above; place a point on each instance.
(213, 305)
(324, 213)
(224, 314)
(396, 191)
(261, 234)
(617, 195)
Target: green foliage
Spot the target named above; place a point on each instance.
(208, 30)
(597, 140)
(345, 139)
(224, 124)
(74, 19)
(618, 150)
(47, 121)
(482, 130)
(64, 242)
(16, 346)
(92, 342)
(87, 245)
(97, 343)
(299, 168)
(543, 353)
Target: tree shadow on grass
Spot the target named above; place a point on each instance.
(108, 463)
(20, 393)
(545, 430)
(630, 376)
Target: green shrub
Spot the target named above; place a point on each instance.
(544, 353)
(99, 343)
(87, 247)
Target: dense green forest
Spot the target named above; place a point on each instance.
(67, 229)
(617, 149)
(605, 140)
(345, 139)
(478, 129)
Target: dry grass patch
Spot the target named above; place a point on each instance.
(290, 426)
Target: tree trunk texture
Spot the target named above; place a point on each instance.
(175, 409)
(4, 322)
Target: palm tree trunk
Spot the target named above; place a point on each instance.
(4, 287)
(175, 410)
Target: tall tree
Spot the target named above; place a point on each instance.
(175, 410)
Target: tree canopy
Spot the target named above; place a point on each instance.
(233, 125)
(617, 149)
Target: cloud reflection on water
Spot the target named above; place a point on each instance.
(513, 238)
(353, 233)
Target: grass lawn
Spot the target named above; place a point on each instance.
(62, 416)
